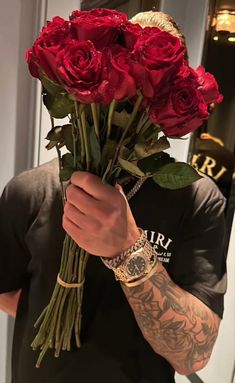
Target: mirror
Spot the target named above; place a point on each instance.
(213, 145)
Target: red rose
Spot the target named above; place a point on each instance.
(82, 71)
(161, 54)
(186, 72)
(42, 54)
(120, 69)
(101, 26)
(182, 111)
(208, 86)
(131, 32)
(33, 62)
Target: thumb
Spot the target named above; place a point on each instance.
(120, 189)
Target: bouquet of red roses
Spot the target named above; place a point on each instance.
(125, 89)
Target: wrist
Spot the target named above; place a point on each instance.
(134, 264)
(117, 260)
(133, 236)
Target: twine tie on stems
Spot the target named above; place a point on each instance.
(69, 285)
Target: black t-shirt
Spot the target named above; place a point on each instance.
(186, 227)
(216, 162)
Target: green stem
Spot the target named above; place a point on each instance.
(147, 124)
(131, 120)
(80, 277)
(132, 116)
(86, 140)
(59, 163)
(69, 320)
(60, 168)
(80, 133)
(98, 111)
(52, 122)
(74, 135)
(95, 118)
(141, 122)
(110, 117)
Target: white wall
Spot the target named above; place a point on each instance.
(16, 24)
(4, 340)
(20, 21)
(41, 155)
(221, 366)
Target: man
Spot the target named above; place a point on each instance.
(139, 330)
(178, 309)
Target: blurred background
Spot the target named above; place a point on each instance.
(209, 27)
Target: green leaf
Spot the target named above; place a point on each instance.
(66, 173)
(130, 168)
(108, 151)
(55, 134)
(175, 175)
(51, 145)
(68, 137)
(152, 163)
(124, 152)
(146, 149)
(151, 132)
(94, 148)
(50, 86)
(67, 167)
(68, 160)
(61, 135)
(121, 119)
(72, 97)
(58, 105)
(106, 171)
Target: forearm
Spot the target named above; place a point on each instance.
(9, 302)
(176, 324)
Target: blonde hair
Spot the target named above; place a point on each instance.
(160, 20)
(208, 136)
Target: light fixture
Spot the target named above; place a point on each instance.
(224, 21)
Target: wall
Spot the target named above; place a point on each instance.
(41, 155)
(221, 366)
(16, 25)
(20, 21)
(16, 30)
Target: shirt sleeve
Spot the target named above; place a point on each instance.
(201, 256)
(14, 222)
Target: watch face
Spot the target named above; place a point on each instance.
(136, 266)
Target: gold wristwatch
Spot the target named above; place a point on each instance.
(137, 261)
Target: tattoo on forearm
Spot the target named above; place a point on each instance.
(176, 324)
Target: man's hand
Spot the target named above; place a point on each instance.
(98, 216)
(9, 302)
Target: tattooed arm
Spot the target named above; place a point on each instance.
(175, 323)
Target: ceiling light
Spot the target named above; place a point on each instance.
(224, 21)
